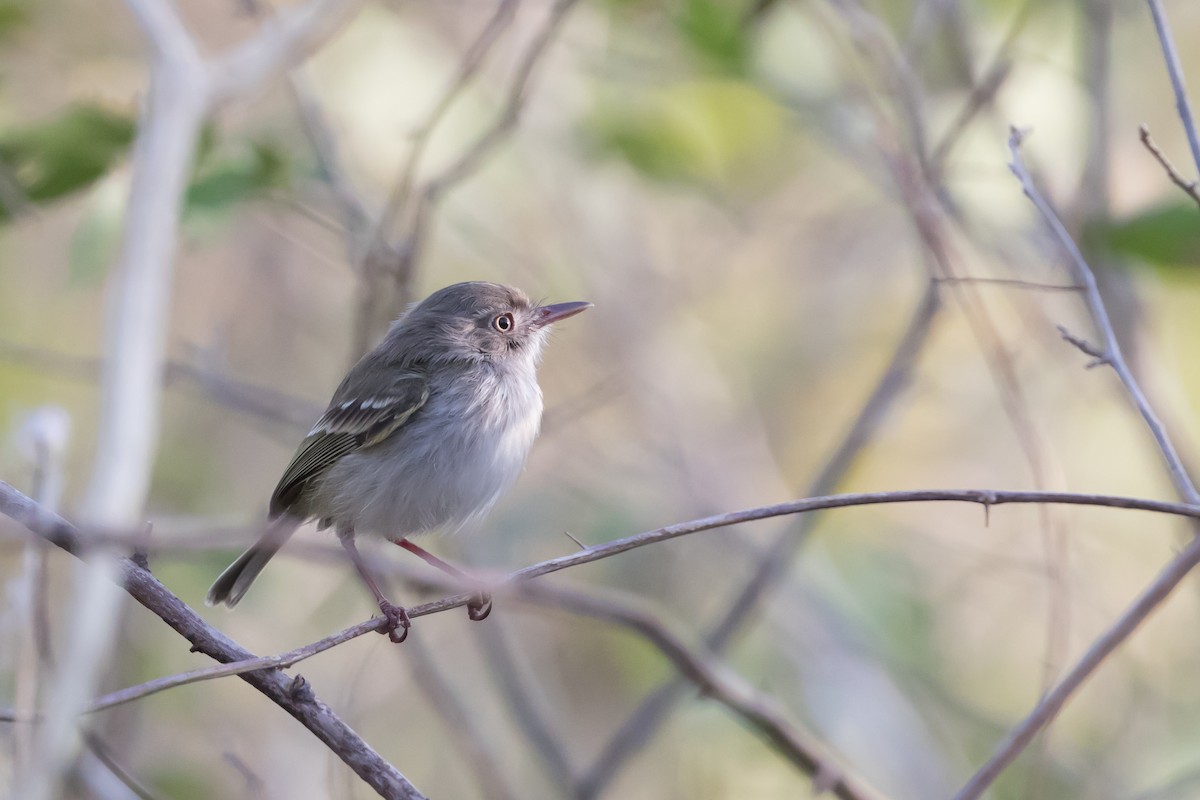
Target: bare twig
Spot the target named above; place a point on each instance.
(380, 257)
(293, 695)
(714, 680)
(271, 405)
(184, 90)
(1175, 71)
(62, 534)
(1110, 349)
(318, 718)
(105, 756)
(1053, 701)
(1099, 357)
(774, 563)
(471, 62)
(405, 256)
(1013, 283)
(1189, 187)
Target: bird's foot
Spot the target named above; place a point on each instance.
(396, 622)
(479, 606)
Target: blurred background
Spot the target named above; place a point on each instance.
(772, 204)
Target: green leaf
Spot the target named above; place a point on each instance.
(14, 15)
(66, 153)
(228, 180)
(717, 31)
(1167, 235)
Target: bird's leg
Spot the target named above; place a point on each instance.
(396, 616)
(479, 606)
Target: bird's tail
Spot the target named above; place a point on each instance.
(232, 584)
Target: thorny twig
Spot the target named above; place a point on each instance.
(62, 534)
(1110, 348)
(1160, 588)
(775, 561)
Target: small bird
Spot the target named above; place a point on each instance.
(424, 433)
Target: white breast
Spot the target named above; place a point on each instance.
(446, 467)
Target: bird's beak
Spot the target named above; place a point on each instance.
(547, 315)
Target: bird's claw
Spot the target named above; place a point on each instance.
(396, 622)
(479, 607)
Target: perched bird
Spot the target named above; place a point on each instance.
(424, 433)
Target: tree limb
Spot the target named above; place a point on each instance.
(294, 695)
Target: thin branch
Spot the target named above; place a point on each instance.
(62, 534)
(240, 667)
(105, 756)
(1014, 283)
(471, 62)
(1189, 187)
(294, 695)
(776, 560)
(380, 257)
(313, 119)
(1099, 357)
(716, 681)
(284, 41)
(292, 412)
(408, 252)
(1175, 71)
(1166, 581)
(1052, 703)
(1111, 348)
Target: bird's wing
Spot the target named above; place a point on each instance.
(352, 422)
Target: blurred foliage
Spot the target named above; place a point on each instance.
(740, 228)
(65, 153)
(718, 31)
(14, 15)
(719, 133)
(1166, 235)
(227, 175)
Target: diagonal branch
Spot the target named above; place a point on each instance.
(1171, 575)
(1175, 71)
(61, 533)
(1053, 701)
(715, 680)
(294, 695)
(1189, 187)
(1110, 347)
(773, 566)
(400, 260)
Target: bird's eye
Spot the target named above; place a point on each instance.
(504, 322)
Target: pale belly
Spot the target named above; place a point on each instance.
(431, 476)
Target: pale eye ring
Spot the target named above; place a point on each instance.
(504, 322)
